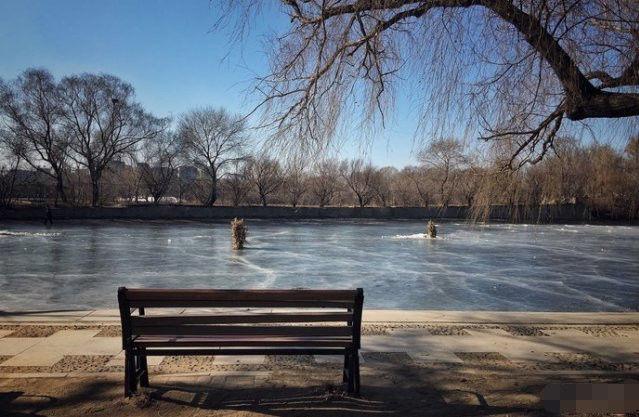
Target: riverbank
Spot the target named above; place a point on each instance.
(443, 363)
(566, 213)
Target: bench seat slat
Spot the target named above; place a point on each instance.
(240, 303)
(245, 351)
(237, 341)
(294, 331)
(150, 294)
(301, 317)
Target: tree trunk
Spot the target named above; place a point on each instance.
(95, 189)
(12, 183)
(60, 189)
(213, 195)
(263, 198)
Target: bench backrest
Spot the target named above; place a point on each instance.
(314, 313)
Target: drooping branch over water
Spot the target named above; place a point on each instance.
(522, 71)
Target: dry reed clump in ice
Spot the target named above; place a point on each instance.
(431, 230)
(238, 233)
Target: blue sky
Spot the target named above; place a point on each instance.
(165, 48)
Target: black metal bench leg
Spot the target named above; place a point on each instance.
(346, 368)
(130, 377)
(356, 372)
(350, 384)
(143, 369)
(129, 372)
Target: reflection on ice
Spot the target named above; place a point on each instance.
(471, 267)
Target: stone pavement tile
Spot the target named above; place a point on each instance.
(4, 381)
(240, 381)
(34, 357)
(565, 332)
(3, 333)
(398, 358)
(329, 359)
(239, 360)
(488, 332)
(613, 349)
(65, 342)
(530, 356)
(16, 345)
(13, 375)
(118, 360)
(443, 357)
(410, 332)
(289, 360)
(515, 348)
(633, 334)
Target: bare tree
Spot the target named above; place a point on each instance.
(211, 140)
(324, 181)
(632, 170)
(518, 69)
(237, 183)
(605, 182)
(9, 163)
(444, 157)
(418, 178)
(564, 179)
(103, 121)
(381, 185)
(266, 175)
(358, 177)
(31, 113)
(468, 184)
(158, 168)
(295, 182)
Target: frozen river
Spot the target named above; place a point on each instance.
(470, 267)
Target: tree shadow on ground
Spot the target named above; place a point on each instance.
(397, 390)
(20, 404)
(387, 390)
(289, 401)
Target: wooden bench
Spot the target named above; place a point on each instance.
(239, 322)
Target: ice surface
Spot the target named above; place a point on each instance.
(467, 267)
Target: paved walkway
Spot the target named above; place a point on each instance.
(80, 342)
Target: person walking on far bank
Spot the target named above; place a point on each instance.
(48, 221)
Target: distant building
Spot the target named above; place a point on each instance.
(188, 173)
(32, 184)
(117, 166)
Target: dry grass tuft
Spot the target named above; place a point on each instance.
(431, 230)
(238, 233)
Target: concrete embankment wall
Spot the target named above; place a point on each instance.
(543, 214)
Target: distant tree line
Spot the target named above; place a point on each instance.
(84, 140)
